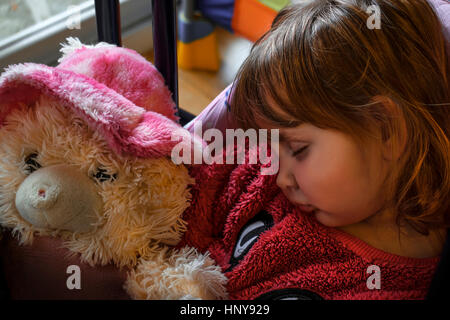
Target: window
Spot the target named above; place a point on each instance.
(32, 30)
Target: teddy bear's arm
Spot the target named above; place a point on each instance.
(181, 274)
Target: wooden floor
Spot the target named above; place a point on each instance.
(198, 88)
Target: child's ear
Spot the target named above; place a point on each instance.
(392, 129)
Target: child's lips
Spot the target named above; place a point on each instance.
(303, 207)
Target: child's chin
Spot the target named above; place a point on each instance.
(327, 219)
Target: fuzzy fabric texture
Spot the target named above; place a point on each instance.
(141, 209)
(120, 69)
(292, 255)
(176, 275)
(105, 118)
(84, 113)
(115, 90)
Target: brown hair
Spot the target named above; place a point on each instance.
(323, 65)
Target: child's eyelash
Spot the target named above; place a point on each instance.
(296, 153)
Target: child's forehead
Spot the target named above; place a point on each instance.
(302, 132)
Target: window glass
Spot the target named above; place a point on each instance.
(17, 15)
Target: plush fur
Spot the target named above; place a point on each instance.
(102, 119)
(113, 89)
(124, 71)
(175, 275)
(141, 213)
(142, 208)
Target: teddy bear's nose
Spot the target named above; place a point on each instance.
(59, 197)
(43, 196)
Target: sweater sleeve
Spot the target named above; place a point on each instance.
(215, 115)
(442, 8)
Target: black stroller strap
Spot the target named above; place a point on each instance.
(108, 21)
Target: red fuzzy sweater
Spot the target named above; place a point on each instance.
(268, 248)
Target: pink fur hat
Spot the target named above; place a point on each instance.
(115, 90)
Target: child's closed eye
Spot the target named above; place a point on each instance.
(299, 151)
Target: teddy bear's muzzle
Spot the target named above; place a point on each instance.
(59, 197)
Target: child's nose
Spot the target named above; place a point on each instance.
(285, 178)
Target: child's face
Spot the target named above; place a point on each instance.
(332, 175)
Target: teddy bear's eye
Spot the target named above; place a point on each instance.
(31, 163)
(101, 175)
